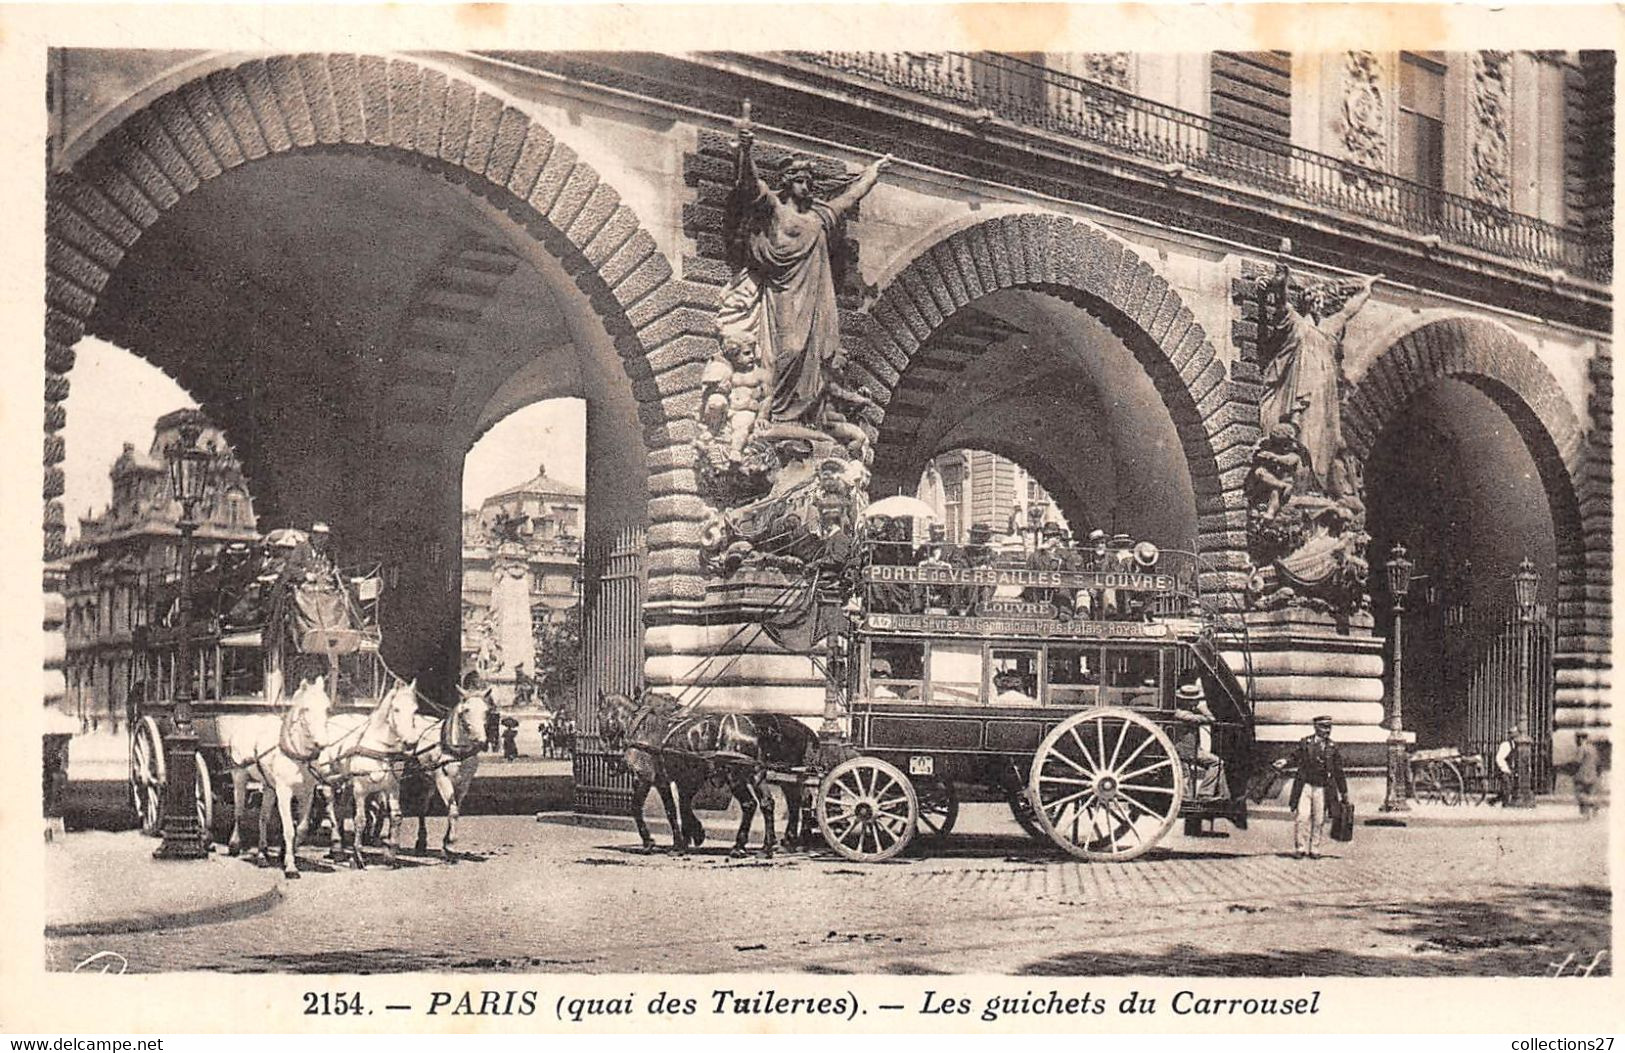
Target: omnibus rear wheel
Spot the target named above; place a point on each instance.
(1106, 784)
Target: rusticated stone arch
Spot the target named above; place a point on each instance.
(1086, 266)
(1495, 361)
(412, 112)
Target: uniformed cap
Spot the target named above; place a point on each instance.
(1097, 535)
(981, 530)
(1323, 721)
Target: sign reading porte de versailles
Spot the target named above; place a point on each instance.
(1052, 579)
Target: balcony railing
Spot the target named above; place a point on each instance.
(1080, 110)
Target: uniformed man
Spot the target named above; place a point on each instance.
(976, 555)
(1319, 778)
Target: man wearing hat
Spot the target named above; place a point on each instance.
(976, 554)
(1196, 750)
(1319, 774)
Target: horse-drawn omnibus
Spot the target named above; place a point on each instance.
(1092, 696)
(238, 646)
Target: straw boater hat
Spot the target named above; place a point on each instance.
(1191, 692)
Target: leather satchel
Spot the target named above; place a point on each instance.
(1342, 819)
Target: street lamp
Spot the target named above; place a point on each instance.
(1525, 587)
(1399, 584)
(184, 836)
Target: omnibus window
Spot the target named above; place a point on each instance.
(956, 673)
(1132, 678)
(242, 671)
(1015, 676)
(1074, 676)
(896, 668)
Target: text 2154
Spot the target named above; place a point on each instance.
(333, 1003)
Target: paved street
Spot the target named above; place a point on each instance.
(1424, 900)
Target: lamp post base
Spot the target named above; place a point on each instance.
(1523, 775)
(1397, 798)
(184, 837)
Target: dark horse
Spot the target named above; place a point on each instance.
(664, 746)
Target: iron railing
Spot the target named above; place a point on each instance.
(1075, 109)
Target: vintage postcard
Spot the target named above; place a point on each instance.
(862, 518)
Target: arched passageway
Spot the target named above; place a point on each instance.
(1051, 343)
(356, 264)
(1471, 455)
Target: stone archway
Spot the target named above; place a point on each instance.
(1093, 270)
(1573, 471)
(411, 116)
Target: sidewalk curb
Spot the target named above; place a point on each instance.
(180, 919)
(594, 821)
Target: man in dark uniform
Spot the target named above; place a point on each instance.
(1319, 779)
(974, 555)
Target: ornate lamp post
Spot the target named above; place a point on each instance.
(1525, 587)
(184, 837)
(1399, 584)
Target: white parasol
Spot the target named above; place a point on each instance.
(900, 505)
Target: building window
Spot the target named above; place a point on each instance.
(1421, 117)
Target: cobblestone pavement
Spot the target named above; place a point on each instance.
(1473, 900)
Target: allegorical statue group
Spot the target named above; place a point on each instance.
(1306, 512)
(784, 456)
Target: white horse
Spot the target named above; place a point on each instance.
(448, 750)
(277, 750)
(368, 754)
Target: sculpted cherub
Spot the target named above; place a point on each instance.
(844, 403)
(1276, 463)
(733, 388)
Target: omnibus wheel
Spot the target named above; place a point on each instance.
(204, 795)
(1106, 784)
(147, 775)
(867, 810)
(1021, 807)
(939, 808)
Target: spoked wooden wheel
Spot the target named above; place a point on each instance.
(205, 799)
(147, 775)
(867, 810)
(1106, 784)
(939, 808)
(1439, 782)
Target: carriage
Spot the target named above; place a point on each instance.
(1057, 689)
(246, 624)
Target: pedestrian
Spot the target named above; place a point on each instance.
(510, 741)
(1505, 754)
(1587, 774)
(1319, 779)
(493, 727)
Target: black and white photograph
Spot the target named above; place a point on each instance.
(796, 513)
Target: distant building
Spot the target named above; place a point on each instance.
(123, 572)
(546, 516)
(976, 486)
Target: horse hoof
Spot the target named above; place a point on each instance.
(234, 850)
(738, 853)
(767, 853)
(649, 848)
(421, 848)
(452, 857)
(291, 875)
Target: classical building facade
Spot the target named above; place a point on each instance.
(975, 486)
(1146, 278)
(543, 517)
(122, 571)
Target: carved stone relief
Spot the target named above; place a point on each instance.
(1365, 110)
(1492, 99)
